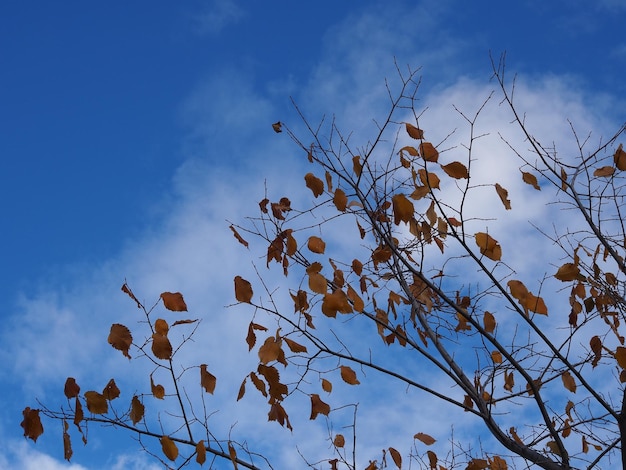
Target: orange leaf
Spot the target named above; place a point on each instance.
(169, 448)
(174, 301)
(31, 424)
(489, 322)
(488, 246)
(456, 170)
(339, 441)
(243, 290)
(157, 390)
(568, 272)
(136, 410)
(316, 245)
(120, 338)
(530, 179)
(414, 132)
(428, 179)
(403, 209)
(207, 380)
(349, 376)
(357, 167)
(315, 184)
(161, 346)
(96, 403)
(318, 406)
(504, 196)
(336, 302)
(425, 438)
(496, 357)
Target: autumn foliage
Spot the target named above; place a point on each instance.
(390, 251)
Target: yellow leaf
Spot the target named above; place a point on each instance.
(504, 196)
(243, 290)
(207, 380)
(96, 403)
(604, 171)
(568, 381)
(488, 246)
(414, 132)
(32, 423)
(169, 448)
(200, 453)
(349, 376)
(315, 184)
(174, 301)
(403, 209)
(120, 338)
(161, 346)
(136, 410)
(530, 179)
(489, 322)
(316, 245)
(425, 438)
(456, 170)
(318, 406)
(429, 152)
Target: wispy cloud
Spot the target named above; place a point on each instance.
(217, 15)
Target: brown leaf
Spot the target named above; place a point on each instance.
(620, 356)
(71, 388)
(428, 179)
(335, 302)
(158, 391)
(357, 167)
(349, 376)
(120, 338)
(604, 171)
(169, 448)
(526, 299)
(489, 322)
(403, 209)
(339, 441)
(488, 246)
(425, 438)
(161, 327)
(568, 272)
(327, 386)
(318, 406)
(432, 459)
(568, 381)
(31, 424)
(67, 443)
(270, 350)
(233, 454)
(530, 179)
(136, 410)
(243, 290)
(200, 452)
(295, 347)
(315, 184)
(340, 200)
(96, 403)
(277, 126)
(504, 196)
(619, 158)
(396, 457)
(496, 357)
(161, 346)
(174, 301)
(238, 237)
(207, 380)
(414, 132)
(456, 170)
(429, 152)
(183, 322)
(316, 245)
(127, 290)
(111, 392)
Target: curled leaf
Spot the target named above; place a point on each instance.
(31, 424)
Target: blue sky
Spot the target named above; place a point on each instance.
(130, 133)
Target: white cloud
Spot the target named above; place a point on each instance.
(218, 15)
